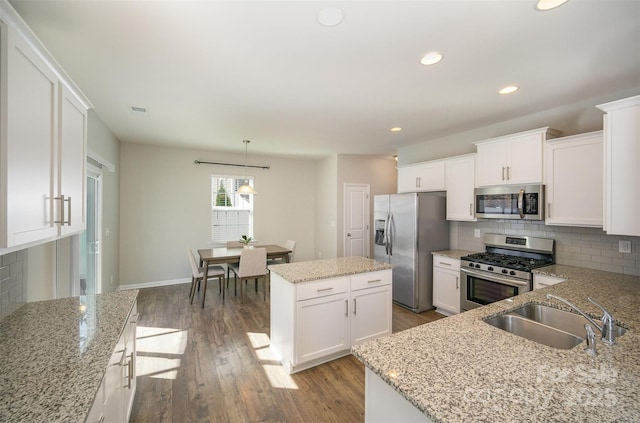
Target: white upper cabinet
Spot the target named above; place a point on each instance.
(512, 159)
(29, 94)
(43, 121)
(460, 180)
(573, 178)
(425, 176)
(621, 184)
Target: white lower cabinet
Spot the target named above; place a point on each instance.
(114, 398)
(446, 284)
(315, 322)
(542, 281)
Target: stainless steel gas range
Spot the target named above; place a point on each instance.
(503, 270)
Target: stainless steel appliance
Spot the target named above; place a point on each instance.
(510, 202)
(504, 270)
(407, 228)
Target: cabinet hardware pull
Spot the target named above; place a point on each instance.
(457, 282)
(101, 419)
(375, 281)
(354, 306)
(508, 172)
(62, 220)
(324, 289)
(503, 173)
(470, 209)
(346, 308)
(548, 209)
(418, 182)
(130, 368)
(444, 264)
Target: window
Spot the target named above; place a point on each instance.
(231, 213)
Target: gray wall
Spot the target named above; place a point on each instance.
(165, 207)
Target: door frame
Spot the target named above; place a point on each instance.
(95, 172)
(346, 212)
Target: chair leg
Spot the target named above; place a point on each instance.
(264, 294)
(221, 280)
(193, 289)
(241, 292)
(256, 284)
(204, 292)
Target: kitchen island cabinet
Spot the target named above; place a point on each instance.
(321, 308)
(67, 360)
(463, 369)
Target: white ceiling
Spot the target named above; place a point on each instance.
(212, 73)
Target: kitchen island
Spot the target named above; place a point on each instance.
(320, 308)
(54, 356)
(462, 369)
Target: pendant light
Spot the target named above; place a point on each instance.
(246, 189)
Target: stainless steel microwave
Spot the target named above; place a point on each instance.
(510, 202)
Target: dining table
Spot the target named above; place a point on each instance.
(225, 255)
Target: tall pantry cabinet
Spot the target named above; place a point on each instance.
(43, 136)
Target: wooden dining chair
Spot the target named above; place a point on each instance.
(197, 275)
(253, 265)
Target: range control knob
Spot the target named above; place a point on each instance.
(490, 268)
(504, 271)
(470, 264)
(512, 273)
(477, 266)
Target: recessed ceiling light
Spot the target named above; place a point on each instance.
(431, 58)
(509, 89)
(396, 129)
(543, 5)
(330, 16)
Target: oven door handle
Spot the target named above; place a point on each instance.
(521, 203)
(497, 278)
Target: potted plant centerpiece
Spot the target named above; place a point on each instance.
(245, 241)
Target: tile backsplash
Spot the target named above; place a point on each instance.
(582, 247)
(13, 269)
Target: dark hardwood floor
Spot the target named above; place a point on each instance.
(214, 364)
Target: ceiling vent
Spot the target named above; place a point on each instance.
(139, 110)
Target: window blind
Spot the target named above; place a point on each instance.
(231, 213)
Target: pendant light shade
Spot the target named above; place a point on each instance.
(246, 188)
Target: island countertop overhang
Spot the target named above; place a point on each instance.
(306, 271)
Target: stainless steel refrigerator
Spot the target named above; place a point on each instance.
(407, 228)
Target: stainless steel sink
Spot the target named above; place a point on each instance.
(535, 331)
(559, 319)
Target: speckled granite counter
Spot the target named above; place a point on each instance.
(53, 355)
(455, 254)
(306, 271)
(462, 369)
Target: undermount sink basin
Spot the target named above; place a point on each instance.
(560, 319)
(535, 331)
(546, 325)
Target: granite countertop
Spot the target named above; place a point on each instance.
(455, 254)
(462, 369)
(305, 271)
(53, 355)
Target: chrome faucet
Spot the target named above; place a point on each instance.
(606, 328)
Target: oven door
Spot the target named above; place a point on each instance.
(481, 288)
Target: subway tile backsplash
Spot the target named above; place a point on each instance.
(582, 247)
(13, 269)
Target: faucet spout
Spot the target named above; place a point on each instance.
(593, 322)
(606, 327)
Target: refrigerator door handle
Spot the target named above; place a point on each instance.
(390, 238)
(386, 235)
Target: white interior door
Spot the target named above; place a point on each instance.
(356, 220)
(90, 258)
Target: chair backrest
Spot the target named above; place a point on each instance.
(195, 270)
(234, 244)
(290, 245)
(253, 262)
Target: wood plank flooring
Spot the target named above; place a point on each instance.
(214, 364)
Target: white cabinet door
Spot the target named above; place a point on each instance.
(129, 386)
(573, 176)
(524, 159)
(322, 327)
(460, 180)
(446, 284)
(29, 121)
(426, 176)
(621, 170)
(371, 313)
(491, 164)
(72, 164)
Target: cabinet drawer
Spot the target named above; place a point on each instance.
(446, 262)
(370, 280)
(316, 289)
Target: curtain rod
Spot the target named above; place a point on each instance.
(230, 164)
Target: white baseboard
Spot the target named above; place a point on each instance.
(154, 284)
